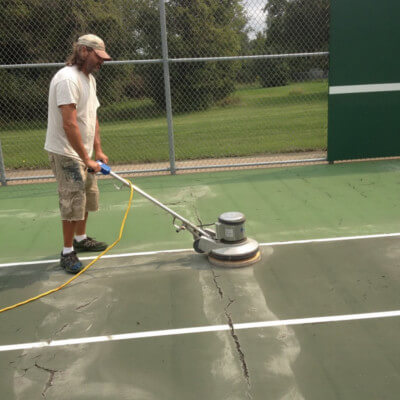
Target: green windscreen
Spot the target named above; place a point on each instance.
(364, 50)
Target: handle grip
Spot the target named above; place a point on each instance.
(105, 169)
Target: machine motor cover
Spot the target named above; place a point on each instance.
(230, 227)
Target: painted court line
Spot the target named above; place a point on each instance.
(200, 329)
(334, 239)
(57, 260)
(149, 253)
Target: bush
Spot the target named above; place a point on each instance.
(274, 72)
(24, 94)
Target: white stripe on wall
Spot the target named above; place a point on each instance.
(381, 87)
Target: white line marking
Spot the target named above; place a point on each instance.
(57, 260)
(334, 239)
(200, 329)
(150, 253)
(380, 87)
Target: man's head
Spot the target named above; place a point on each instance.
(95, 43)
(89, 53)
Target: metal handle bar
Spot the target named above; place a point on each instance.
(195, 230)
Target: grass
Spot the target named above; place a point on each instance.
(253, 121)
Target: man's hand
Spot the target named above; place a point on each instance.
(93, 166)
(101, 156)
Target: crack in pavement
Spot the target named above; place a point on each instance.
(86, 304)
(197, 214)
(61, 329)
(193, 201)
(221, 294)
(25, 370)
(237, 343)
(49, 383)
(173, 203)
(357, 190)
(235, 338)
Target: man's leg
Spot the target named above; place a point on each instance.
(71, 188)
(80, 227)
(83, 242)
(69, 261)
(69, 228)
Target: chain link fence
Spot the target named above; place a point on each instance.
(193, 84)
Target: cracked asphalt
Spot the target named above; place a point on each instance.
(343, 360)
(140, 294)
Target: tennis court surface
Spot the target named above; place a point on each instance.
(317, 318)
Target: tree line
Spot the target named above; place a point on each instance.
(39, 31)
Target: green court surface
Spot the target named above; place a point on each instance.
(314, 319)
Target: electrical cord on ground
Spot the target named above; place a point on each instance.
(84, 269)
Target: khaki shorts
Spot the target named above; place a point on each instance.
(77, 189)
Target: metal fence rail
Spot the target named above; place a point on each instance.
(177, 60)
(193, 85)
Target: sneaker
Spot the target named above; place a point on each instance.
(70, 262)
(89, 244)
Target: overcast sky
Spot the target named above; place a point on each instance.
(254, 10)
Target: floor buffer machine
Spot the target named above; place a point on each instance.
(225, 246)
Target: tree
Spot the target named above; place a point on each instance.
(198, 28)
(31, 32)
(298, 26)
(273, 71)
(269, 72)
(248, 72)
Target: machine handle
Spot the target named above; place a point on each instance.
(105, 169)
(194, 230)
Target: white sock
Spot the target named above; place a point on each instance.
(79, 238)
(67, 250)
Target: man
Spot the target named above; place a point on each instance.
(72, 136)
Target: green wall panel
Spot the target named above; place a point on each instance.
(364, 49)
(364, 42)
(365, 125)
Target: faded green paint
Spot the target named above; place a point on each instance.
(280, 204)
(346, 360)
(363, 50)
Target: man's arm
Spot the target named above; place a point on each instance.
(74, 137)
(99, 155)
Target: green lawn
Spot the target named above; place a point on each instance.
(253, 121)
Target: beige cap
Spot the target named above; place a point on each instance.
(96, 44)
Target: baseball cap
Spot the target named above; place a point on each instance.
(96, 44)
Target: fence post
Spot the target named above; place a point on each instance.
(3, 179)
(168, 103)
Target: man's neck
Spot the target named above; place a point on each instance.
(84, 70)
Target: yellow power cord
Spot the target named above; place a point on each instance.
(84, 269)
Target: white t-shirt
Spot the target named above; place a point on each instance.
(71, 86)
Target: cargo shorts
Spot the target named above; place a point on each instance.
(77, 189)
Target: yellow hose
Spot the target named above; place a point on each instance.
(84, 269)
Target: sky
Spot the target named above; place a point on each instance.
(254, 10)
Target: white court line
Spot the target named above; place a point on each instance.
(373, 88)
(200, 329)
(149, 253)
(57, 260)
(334, 239)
